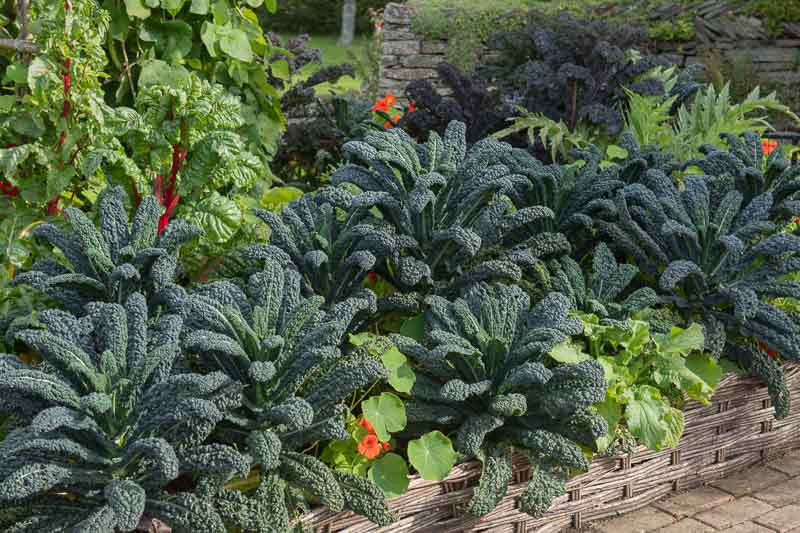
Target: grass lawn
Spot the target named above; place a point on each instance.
(334, 54)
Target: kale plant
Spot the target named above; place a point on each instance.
(575, 71)
(472, 102)
(444, 205)
(286, 351)
(333, 251)
(601, 291)
(484, 371)
(107, 425)
(743, 163)
(109, 262)
(718, 259)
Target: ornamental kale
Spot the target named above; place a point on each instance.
(485, 372)
(719, 260)
(471, 102)
(107, 425)
(600, 292)
(444, 206)
(286, 351)
(568, 69)
(110, 262)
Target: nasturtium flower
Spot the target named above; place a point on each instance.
(369, 447)
(364, 423)
(386, 103)
(768, 146)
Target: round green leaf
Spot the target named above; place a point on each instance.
(386, 413)
(432, 455)
(401, 375)
(390, 473)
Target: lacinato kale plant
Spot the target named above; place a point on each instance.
(484, 372)
(718, 260)
(333, 251)
(286, 351)
(444, 205)
(605, 290)
(106, 425)
(109, 261)
(743, 163)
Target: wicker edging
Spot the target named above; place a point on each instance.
(737, 430)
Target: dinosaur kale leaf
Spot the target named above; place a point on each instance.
(718, 260)
(446, 208)
(743, 164)
(485, 373)
(285, 349)
(332, 250)
(107, 425)
(110, 261)
(600, 292)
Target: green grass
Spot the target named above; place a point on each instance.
(334, 54)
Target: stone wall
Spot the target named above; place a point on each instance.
(408, 56)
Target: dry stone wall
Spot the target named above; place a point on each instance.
(408, 56)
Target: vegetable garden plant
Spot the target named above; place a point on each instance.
(441, 300)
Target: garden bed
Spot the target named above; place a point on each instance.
(736, 430)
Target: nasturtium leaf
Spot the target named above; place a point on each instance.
(236, 44)
(361, 339)
(386, 413)
(567, 352)
(271, 5)
(199, 7)
(616, 152)
(135, 8)
(218, 216)
(254, 3)
(432, 455)
(414, 328)
(390, 473)
(681, 341)
(275, 198)
(401, 375)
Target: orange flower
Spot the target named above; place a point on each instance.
(412, 106)
(769, 351)
(390, 125)
(768, 146)
(364, 423)
(386, 103)
(387, 446)
(369, 447)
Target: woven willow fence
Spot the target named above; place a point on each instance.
(735, 431)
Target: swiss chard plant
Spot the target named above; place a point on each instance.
(285, 349)
(104, 425)
(484, 372)
(716, 259)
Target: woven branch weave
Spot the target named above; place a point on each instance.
(735, 431)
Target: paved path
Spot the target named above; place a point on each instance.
(762, 499)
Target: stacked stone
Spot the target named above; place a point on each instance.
(406, 55)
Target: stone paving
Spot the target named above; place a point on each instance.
(762, 499)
